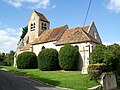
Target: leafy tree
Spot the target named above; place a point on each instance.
(9, 58)
(97, 55)
(112, 56)
(24, 32)
(2, 56)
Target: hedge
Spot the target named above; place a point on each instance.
(48, 60)
(68, 57)
(27, 60)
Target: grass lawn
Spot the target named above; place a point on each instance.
(67, 79)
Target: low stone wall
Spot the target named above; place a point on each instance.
(108, 81)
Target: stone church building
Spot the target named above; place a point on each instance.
(40, 36)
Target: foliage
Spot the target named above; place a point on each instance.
(27, 60)
(9, 58)
(97, 55)
(2, 56)
(95, 70)
(109, 55)
(68, 57)
(24, 32)
(48, 60)
(73, 79)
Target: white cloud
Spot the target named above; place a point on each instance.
(110, 43)
(9, 38)
(15, 3)
(43, 4)
(113, 5)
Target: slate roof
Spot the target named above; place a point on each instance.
(49, 35)
(75, 35)
(42, 17)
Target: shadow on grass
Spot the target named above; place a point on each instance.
(48, 81)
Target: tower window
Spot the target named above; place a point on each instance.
(32, 27)
(44, 26)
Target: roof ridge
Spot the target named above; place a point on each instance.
(90, 37)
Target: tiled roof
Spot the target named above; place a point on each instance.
(85, 28)
(49, 35)
(42, 17)
(27, 47)
(75, 35)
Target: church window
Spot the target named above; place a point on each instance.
(76, 46)
(43, 47)
(32, 27)
(44, 26)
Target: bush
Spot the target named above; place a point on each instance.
(68, 57)
(27, 60)
(97, 55)
(95, 70)
(48, 60)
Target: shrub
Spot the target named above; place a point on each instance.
(68, 57)
(97, 55)
(48, 60)
(27, 60)
(95, 70)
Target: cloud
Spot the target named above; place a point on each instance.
(15, 3)
(110, 43)
(113, 5)
(43, 4)
(9, 39)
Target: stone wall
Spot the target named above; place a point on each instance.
(108, 81)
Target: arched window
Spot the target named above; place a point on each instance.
(43, 47)
(76, 46)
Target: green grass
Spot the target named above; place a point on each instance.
(67, 79)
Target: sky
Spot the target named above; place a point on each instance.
(14, 15)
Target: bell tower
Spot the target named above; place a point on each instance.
(36, 25)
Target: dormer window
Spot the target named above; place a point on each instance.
(32, 27)
(44, 26)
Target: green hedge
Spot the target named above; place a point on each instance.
(48, 60)
(95, 70)
(68, 57)
(27, 60)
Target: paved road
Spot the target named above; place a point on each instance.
(12, 81)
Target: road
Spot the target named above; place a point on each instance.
(12, 81)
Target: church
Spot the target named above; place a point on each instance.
(40, 36)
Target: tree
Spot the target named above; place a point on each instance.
(112, 56)
(9, 58)
(2, 56)
(24, 32)
(97, 55)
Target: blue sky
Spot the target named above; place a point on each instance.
(14, 16)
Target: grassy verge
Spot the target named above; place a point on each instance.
(67, 79)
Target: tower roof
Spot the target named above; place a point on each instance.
(42, 17)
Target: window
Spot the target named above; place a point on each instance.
(76, 46)
(32, 27)
(43, 47)
(44, 26)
